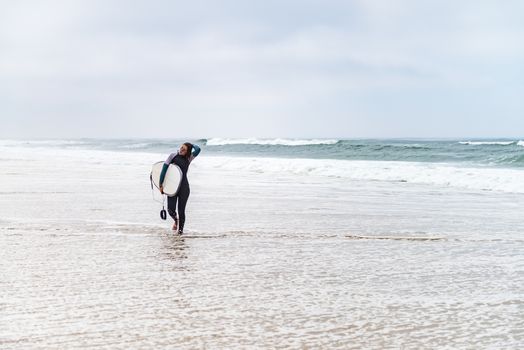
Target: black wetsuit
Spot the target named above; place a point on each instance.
(182, 195)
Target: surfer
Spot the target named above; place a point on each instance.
(183, 157)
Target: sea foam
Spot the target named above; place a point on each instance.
(283, 142)
(482, 143)
(436, 174)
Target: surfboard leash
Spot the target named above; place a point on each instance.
(163, 214)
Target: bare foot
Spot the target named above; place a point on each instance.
(175, 225)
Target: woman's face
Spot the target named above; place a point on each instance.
(183, 150)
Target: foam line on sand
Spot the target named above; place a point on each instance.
(399, 238)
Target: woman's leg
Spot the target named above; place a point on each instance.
(171, 209)
(183, 195)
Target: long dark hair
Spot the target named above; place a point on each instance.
(189, 149)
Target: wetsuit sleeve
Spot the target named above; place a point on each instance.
(195, 152)
(166, 165)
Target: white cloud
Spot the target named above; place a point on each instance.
(277, 61)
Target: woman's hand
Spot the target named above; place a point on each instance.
(161, 189)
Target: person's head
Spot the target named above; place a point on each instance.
(185, 150)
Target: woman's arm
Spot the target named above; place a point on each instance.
(195, 152)
(164, 168)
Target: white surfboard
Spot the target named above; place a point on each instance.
(171, 180)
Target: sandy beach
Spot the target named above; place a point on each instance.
(269, 261)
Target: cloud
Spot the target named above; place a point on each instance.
(276, 62)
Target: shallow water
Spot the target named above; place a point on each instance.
(268, 260)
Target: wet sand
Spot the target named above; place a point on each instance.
(270, 262)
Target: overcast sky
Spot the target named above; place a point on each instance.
(299, 69)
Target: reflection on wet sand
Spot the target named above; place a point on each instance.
(173, 246)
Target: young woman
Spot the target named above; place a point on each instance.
(182, 158)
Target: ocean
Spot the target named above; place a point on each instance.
(289, 243)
